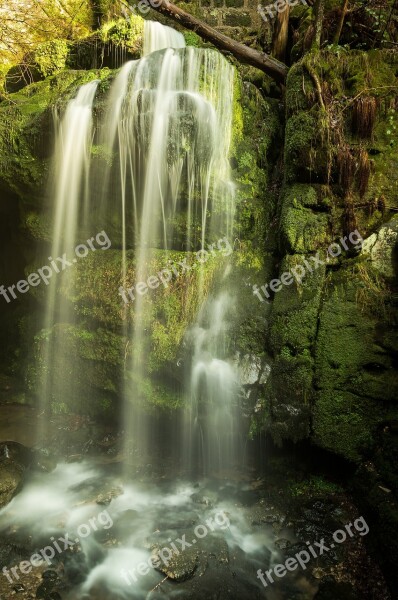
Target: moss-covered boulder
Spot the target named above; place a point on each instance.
(355, 377)
(27, 132)
(333, 372)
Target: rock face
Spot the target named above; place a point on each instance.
(382, 249)
(332, 332)
(96, 351)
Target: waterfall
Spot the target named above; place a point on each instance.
(169, 125)
(158, 37)
(164, 133)
(211, 427)
(71, 167)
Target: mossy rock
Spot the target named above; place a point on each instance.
(304, 228)
(306, 149)
(355, 377)
(295, 308)
(26, 132)
(83, 368)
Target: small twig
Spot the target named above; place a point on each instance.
(382, 87)
(156, 586)
(317, 84)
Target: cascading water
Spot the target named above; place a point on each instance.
(168, 123)
(158, 37)
(167, 128)
(212, 440)
(164, 138)
(71, 207)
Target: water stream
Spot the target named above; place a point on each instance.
(167, 128)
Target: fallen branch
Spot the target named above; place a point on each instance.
(272, 67)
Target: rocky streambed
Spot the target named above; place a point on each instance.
(109, 527)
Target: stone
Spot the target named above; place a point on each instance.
(14, 458)
(381, 248)
(249, 367)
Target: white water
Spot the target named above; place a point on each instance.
(213, 440)
(169, 124)
(167, 127)
(158, 37)
(58, 503)
(167, 130)
(71, 197)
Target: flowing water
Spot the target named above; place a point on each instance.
(164, 136)
(213, 439)
(71, 204)
(158, 37)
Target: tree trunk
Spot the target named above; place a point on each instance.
(341, 22)
(280, 34)
(244, 54)
(319, 10)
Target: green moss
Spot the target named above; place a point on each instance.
(38, 226)
(255, 128)
(344, 423)
(314, 486)
(154, 395)
(302, 229)
(85, 375)
(125, 33)
(354, 372)
(298, 87)
(50, 57)
(192, 39)
(295, 308)
(306, 157)
(26, 124)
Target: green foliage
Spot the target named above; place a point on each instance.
(125, 33)
(192, 39)
(22, 30)
(51, 57)
(315, 485)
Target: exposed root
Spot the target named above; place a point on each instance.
(364, 116)
(364, 170)
(350, 220)
(346, 167)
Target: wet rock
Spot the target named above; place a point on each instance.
(50, 575)
(194, 560)
(14, 459)
(282, 544)
(217, 548)
(44, 461)
(181, 566)
(266, 513)
(106, 498)
(331, 590)
(45, 589)
(249, 367)
(200, 499)
(381, 247)
(10, 480)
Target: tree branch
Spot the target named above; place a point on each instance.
(272, 67)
